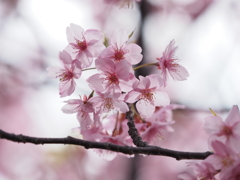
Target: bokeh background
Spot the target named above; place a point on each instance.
(207, 33)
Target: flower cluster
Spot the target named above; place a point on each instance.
(115, 88)
(224, 137)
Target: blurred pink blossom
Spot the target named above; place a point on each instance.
(228, 131)
(70, 70)
(148, 94)
(114, 77)
(83, 108)
(84, 45)
(120, 49)
(167, 64)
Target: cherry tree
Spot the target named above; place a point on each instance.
(126, 114)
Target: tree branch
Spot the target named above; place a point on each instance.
(133, 132)
(148, 150)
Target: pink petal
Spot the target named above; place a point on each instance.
(119, 37)
(134, 56)
(74, 31)
(145, 109)
(233, 116)
(53, 71)
(96, 83)
(71, 106)
(66, 88)
(178, 72)
(93, 34)
(162, 99)
(213, 124)
(132, 96)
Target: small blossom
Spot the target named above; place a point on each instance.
(204, 170)
(83, 108)
(105, 102)
(70, 70)
(167, 64)
(148, 94)
(84, 45)
(114, 78)
(156, 131)
(120, 50)
(227, 131)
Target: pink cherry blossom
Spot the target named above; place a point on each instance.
(227, 131)
(120, 50)
(158, 126)
(148, 94)
(204, 170)
(167, 64)
(223, 157)
(156, 131)
(104, 103)
(70, 70)
(84, 45)
(114, 77)
(83, 108)
(231, 173)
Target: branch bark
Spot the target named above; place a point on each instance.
(148, 150)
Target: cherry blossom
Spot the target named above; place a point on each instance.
(120, 50)
(223, 156)
(227, 131)
(156, 131)
(158, 126)
(148, 94)
(70, 70)
(107, 102)
(114, 77)
(84, 45)
(83, 108)
(204, 170)
(167, 64)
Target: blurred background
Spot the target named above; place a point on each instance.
(207, 33)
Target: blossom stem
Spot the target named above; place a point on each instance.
(89, 69)
(149, 64)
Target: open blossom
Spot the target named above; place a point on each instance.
(83, 108)
(84, 45)
(106, 102)
(148, 94)
(114, 78)
(120, 50)
(225, 160)
(168, 64)
(227, 131)
(204, 170)
(70, 70)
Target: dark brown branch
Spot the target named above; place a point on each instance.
(133, 132)
(148, 150)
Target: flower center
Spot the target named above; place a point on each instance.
(82, 45)
(119, 55)
(108, 104)
(147, 95)
(227, 131)
(65, 75)
(112, 78)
